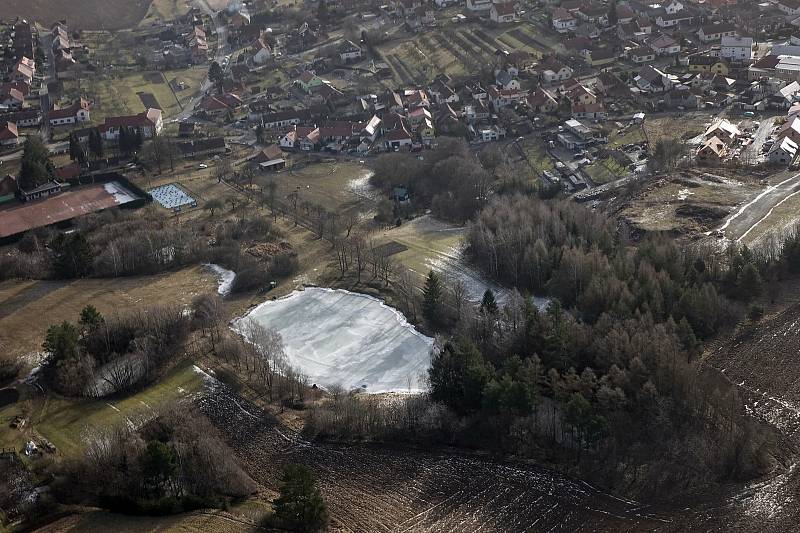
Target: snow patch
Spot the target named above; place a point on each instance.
(346, 338)
(224, 276)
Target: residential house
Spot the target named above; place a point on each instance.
(270, 153)
(26, 118)
(11, 98)
(349, 52)
(397, 139)
(663, 45)
(202, 147)
(712, 151)
(552, 70)
(9, 136)
(674, 20)
(790, 7)
(304, 138)
(791, 130)
(308, 80)
(542, 101)
(417, 117)
(262, 51)
(737, 49)
(783, 152)
(74, 114)
(479, 5)
(491, 133)
(641, 54)
(503, 12)
(501, 98)
(715, 32)
(149, 122)
(563, 20)
(723, 130)
(652, 80)
(23, 71)
(600, 57)
(594, 111)
(707, 63)
(506, 81)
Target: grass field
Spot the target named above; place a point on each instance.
(28, 308)
(338, 185)
(605, 171)
(81, 14)
(427, 241)
(64, 422)
(119, 96)
(165, 10)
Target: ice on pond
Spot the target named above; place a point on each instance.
(340, 337)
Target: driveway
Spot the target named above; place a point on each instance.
(223, 49)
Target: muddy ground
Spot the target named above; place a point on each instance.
(381, 489)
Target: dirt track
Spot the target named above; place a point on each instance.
(743, 219)
(377, 489)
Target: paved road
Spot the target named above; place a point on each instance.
(753, 151)
(223, 49)
(754, 211)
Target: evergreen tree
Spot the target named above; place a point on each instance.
(489, 304)
(36, 167)
(96, 143)
(458, 376)
(300, 506)
(124, 142)
(322, 11)
(74, 147)
(91, 318)
(750, 283)
(216, 75)
(612, 13)
(431, 299)
(72, 256)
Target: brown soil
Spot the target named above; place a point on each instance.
(80, 14)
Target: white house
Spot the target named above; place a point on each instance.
(503, 12)
(737, 48)
(663, 45)
(783, 153)
(349, 52)
(563, 20)
(479, 5)
(671, 6)
(150, 122)
(552, 70)
(715, 32)
(77, 112)
(491, 133)
(262, 51)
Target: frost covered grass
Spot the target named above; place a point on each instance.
(339, 337)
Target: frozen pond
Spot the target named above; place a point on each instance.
(340, 337)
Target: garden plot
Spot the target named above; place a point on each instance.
(340, 337)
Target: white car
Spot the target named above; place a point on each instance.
(203, 166)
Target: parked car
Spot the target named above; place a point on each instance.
(202, 166)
